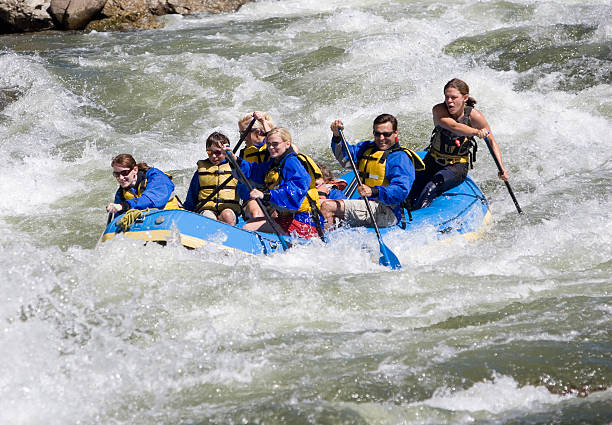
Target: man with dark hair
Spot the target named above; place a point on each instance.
(387, 172)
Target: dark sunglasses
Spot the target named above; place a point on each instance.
(212, 152)
(383, 133)
(123, 173)
(259, 131)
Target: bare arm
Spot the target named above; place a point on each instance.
(479, 121)
(442, 118)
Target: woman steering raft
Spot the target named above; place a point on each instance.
(140, 186)
(452, 147)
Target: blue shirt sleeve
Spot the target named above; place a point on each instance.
(255, 172)
(118, 196)
(340, 153)
(336, 194)
(243, 191)
(399, 171)
(156, 194)
(191, 200)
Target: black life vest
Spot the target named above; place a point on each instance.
(448, 148)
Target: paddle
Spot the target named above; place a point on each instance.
(387, 258)
(249, 186)
(244, 134)
(109, 218)
(516, 204)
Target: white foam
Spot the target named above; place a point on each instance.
(502, 394)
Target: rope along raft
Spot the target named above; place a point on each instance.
(130, 217)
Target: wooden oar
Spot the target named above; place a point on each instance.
(249, 186)
(516, 204)
(387, 258)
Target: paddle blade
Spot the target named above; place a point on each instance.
(388, 258)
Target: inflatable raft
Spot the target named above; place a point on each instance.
(463, 210)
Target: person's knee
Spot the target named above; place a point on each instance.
(228, 216)
(332, 208)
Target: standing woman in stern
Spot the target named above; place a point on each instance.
(140, 186)
(452, 146)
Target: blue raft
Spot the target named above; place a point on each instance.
(463, 210)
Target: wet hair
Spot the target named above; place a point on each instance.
(463, 88)
(127, 161)
(282, 132)
(216, 138)
(326, 173)
(244, 121)
(383, 118)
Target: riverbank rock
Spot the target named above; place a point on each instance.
(24, 16)
(142, 14)
(75, 14)
(100, 15)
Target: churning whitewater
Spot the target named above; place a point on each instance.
(512, 328)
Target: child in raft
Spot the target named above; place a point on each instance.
(212, 191)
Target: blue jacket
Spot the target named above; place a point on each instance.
(399, 172)
(156, 194)
(336, 194)
(289, 194)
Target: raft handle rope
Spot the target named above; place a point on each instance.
(130, 217)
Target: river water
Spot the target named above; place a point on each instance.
(513, 328)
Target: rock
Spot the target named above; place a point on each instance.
(101, 15)
(140, 14)
(24, 15)
(127, 14)
(75, 14)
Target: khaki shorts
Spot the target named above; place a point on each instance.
(356, 213)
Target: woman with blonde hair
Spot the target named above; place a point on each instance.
(287, 186)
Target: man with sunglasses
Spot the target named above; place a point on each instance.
(387, 171)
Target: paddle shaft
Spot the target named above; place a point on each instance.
(225, 183)
(244, 134)
(245, 181)
(499, 167)
(354, 167)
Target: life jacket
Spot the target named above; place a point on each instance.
(256, 154)
(372, 164)
(448, 148)
(210, 178)
(141, 185)
(274, 177)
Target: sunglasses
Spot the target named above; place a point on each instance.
(211, 152)
(383, 133)
(123, 173)
(259, 132)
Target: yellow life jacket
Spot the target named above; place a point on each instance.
(274, 177)
(255, 154)
(448, 148)
(373, 162)
(210, 178)
(141, 185)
